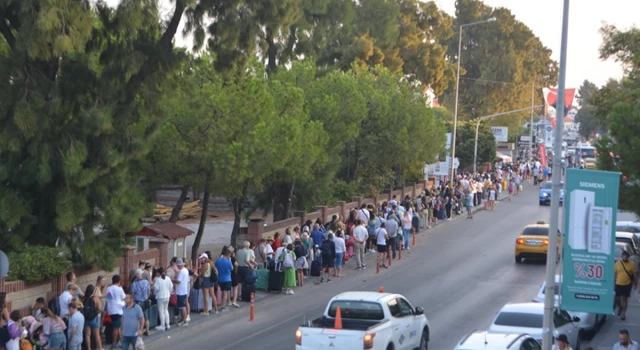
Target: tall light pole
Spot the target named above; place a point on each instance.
(549, 299)
(475, 144)
(533, 92)
(455, 108)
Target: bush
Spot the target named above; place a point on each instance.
(36, 263)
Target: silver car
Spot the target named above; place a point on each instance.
(589, 323)
(528, 318)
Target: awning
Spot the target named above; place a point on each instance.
(166, 230)
(505, 158)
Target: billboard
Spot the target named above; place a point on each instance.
(591, 205)
(501, 133)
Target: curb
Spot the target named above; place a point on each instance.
(197, 319)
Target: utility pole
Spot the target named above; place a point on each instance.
(549, 297)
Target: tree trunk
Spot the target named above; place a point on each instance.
(237, 204)
(272, 52)
(282, 199)
(175, 213)
(203, 222)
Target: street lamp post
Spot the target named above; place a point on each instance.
(549, 299)
(475, 144)
(455, 108)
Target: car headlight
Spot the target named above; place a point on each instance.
(545, 195)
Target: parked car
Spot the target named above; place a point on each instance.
(477, 340)
(589, 323)
(628, 226)
(631, 238)
(369, 321)
(528, 318)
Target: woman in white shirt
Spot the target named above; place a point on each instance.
(341, 248)
(162, 288)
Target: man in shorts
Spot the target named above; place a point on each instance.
(626, 277)
(182, 291)
(115, 303)
(381, 243)
(328, 249)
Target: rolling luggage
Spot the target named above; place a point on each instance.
(316, 268)
(276, 279)
(246, 291)
(262, 283)
(486, 205)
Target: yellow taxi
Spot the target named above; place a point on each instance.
(534, 242)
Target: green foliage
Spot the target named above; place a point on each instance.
(465, 143)
(617, 111)
(78, 104)
(36, 263)
(500, 60)
(586, 116)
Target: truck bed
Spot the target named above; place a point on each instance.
(349, 324)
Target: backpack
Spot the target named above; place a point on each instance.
(288, 259)
(89, 310)
(54, 305)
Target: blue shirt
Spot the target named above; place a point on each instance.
(131, 317)
(317, 237)
(224, 267)
(140, 289)
(77, 319)
(545, 172)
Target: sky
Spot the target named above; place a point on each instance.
(544, 18)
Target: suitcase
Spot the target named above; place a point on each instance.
(196, 300)
(276, 279)
(153, 316)
(486, 205)
(316, 268)
(246, 291)
(262, 283)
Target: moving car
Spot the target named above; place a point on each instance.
(369, 321)
(528, 318)
(477, 340)
(533, 242)
(545, 193)
(589, 323)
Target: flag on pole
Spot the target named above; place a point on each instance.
(551, 98)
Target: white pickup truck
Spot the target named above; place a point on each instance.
(380, 321)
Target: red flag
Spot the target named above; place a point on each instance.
(543, 155)
(551, 97)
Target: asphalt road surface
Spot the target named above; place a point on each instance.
(462, 273)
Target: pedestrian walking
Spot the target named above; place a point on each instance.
(492, 197)
(562, 343)
(626, 278)
(132, 322)
(625, 342)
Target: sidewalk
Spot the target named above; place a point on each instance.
(348, 271)
(608, 333)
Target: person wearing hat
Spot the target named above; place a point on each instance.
(182, 291)
(562, 343)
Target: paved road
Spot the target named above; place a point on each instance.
(462, 273)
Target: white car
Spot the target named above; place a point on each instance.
(628, 237)
(477, 340)
(528, 318)
(629, 226)
(589, 323)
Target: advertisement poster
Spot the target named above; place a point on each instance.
(591, 204)
(501, 133)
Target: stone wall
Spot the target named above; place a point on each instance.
(22, 295)
(257, 229)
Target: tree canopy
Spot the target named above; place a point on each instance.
(500, 61)
(617, 112)
(293, 103)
